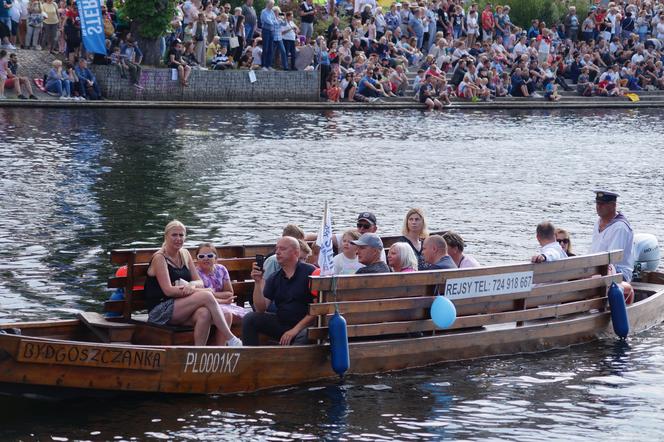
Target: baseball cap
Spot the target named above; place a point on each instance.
(370, 240)
(367, 216)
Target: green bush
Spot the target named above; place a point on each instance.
(551, 11)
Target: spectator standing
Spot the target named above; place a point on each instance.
(35, 23)
(289, 33)
(200, 33)
(269, 26)
(250, 19)
(488, 23)
(307, 15)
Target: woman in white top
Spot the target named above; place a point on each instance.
(472, 28)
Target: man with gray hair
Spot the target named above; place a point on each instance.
(550, 249)
(369, 251)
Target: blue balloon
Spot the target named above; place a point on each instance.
(443, 312)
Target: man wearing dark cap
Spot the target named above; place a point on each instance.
(612, 231)
(369, 249)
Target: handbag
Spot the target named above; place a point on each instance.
(234, 42)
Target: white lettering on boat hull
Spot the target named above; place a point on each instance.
(211, 362)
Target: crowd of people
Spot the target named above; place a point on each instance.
(181, 291)
(363, 54)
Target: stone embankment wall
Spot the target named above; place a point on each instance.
(210, 86)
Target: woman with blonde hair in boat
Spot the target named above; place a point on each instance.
(401, 258)
(175, 295)
(563, 238)
(414, 233)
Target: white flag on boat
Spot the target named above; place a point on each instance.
(324, 241)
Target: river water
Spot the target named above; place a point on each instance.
(76, 184)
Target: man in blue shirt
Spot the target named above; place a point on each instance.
(269, 26)
(88, 82)
(434, 250)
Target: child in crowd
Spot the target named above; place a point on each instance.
(221, 61)
(118, 60)
(417, 82)
(346, 263)
(551, 90)
(215, 277)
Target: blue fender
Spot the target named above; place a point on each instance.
(618, 310)
(118, 295)
(339, 344)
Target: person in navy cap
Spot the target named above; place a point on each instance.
(612, 231)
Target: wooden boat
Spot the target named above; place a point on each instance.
(501, 310)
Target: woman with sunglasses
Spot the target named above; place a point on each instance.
(175, 295)
(215, 277)
(562, 236)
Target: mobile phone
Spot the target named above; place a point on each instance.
(260, 259)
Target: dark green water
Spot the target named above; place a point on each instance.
(76, 184)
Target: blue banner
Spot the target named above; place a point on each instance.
(92, 26)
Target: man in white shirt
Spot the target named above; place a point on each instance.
(550, 249)
(612, 231)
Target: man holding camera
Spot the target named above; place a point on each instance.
(289, 290)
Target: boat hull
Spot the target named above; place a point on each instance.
(30, 363)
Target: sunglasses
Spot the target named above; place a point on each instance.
(563, 241)
(206, 255)
(363, 226)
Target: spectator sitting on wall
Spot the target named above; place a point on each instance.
(176, 61)
(89, 87)
(16, 81)
(221, 61)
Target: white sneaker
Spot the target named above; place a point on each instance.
(62, 97)
(2, 97)
(234, 342)
(536, 95)
(39, 48)
(10, 47)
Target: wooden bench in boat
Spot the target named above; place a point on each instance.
(237, 259)
(376, 306)
(137, 261)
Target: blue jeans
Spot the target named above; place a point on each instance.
(248, 31)
(8, 22)
(279, 44)
(89, 92)
(62, 87)
(290, 51)
(268, 48)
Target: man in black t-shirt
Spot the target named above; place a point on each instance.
(289, 290)
(307, 12)
(369, 248)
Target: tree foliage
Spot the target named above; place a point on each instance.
(151, 18)
(551, 11)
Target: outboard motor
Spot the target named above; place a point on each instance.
(646, 253)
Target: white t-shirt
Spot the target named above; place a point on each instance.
(553, 252)
(345, 266)
(616, 236)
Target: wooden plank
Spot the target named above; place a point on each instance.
(380, 293)
(143, 254)
(395, 328)
(371, 306)
(105, 330)
(558, 270)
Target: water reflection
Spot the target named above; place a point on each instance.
(78, 183)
